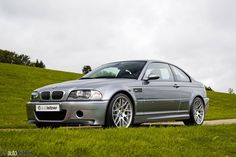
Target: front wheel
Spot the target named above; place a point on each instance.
(120, 112)
(197, 113)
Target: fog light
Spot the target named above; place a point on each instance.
(79, 113)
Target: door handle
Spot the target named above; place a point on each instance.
(176, 86)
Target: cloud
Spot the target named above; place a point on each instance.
(198, 36)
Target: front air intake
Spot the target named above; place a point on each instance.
(51, 115)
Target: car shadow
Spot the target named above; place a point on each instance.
(161, 125)
(144, 125)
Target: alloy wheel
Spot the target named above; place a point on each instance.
(122, 112)
(198, 111)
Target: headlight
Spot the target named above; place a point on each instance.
(34, 96)
(85, 95)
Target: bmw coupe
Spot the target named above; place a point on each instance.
(121, 94)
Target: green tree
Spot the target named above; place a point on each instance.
(231, 91)
(86, 69)
(208, 88)
(37, 63)
(22, 59)
(7, 56)
(41, 64)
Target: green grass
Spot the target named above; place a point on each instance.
(222, 106)
(219, 141)
(17, 83)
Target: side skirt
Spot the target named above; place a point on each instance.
(143, 117)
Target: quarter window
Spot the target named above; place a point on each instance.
(160, 69)
(180, 75)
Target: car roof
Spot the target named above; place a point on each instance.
(146, 60)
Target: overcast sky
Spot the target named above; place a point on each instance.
(198, 35)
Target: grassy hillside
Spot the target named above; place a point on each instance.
(17, 82)
(16, 85)
(222, 106)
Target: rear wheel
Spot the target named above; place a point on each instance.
(120, 112)
(197, 113)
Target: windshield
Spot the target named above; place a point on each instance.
(126, 69)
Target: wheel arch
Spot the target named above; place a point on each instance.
(198, 96)
(132, 99)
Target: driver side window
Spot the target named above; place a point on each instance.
(160, 69)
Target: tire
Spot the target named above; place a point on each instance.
(45, 125)
(120, 112)
(197, 113)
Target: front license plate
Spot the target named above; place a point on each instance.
(47, 108)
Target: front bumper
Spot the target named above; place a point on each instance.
(93, 112)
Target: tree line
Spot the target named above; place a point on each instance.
(21, 59)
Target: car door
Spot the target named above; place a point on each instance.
(159, 95)
(184, 87)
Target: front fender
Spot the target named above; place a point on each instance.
(110, 91)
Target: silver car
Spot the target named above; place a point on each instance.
(121, 94)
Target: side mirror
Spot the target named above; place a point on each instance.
(152, 77)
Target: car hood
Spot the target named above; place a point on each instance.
(85, 84)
